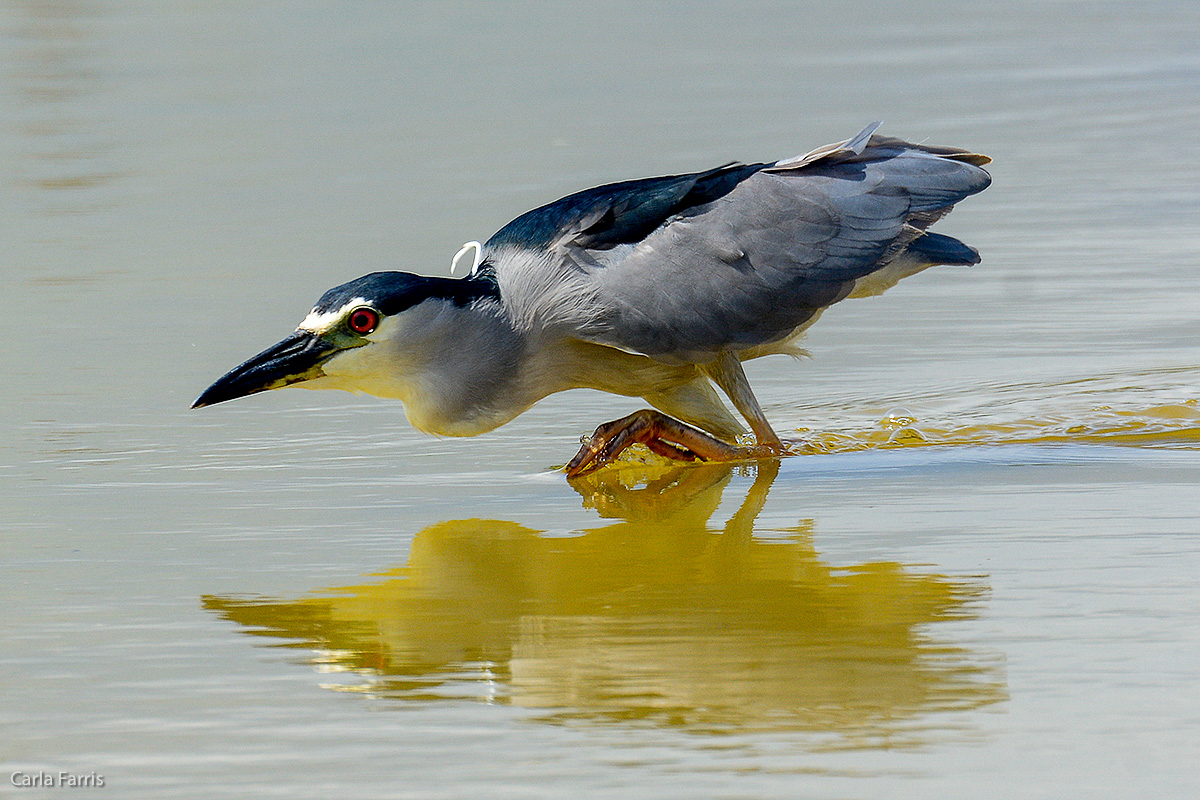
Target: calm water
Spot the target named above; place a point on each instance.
(980, 580)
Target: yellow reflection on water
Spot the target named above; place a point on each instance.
(1174, 425)
(661, 618)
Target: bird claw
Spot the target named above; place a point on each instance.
(663, 435)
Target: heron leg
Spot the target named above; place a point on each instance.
(727, 372)
(664, 435)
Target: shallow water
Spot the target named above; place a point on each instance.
(977, 578)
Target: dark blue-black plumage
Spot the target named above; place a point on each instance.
(393, 292)
(620, 213)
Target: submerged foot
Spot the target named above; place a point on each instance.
(665, 436)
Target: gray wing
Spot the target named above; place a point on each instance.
(683, 266)
(742, 256)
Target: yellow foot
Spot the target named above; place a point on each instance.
(664, 435)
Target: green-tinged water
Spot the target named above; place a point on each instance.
(976, 578)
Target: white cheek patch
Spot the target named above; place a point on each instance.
(321, 321)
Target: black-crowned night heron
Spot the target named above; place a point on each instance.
(655, 288)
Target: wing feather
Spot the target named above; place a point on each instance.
(682, 267)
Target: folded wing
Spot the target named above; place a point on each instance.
(682, 267)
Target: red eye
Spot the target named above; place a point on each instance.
(364, 320)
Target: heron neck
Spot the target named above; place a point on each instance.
(459, 368)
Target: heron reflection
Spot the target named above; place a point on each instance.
(661, 618)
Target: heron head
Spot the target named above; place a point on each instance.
(356, 337)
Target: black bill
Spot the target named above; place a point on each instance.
(295, 359)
